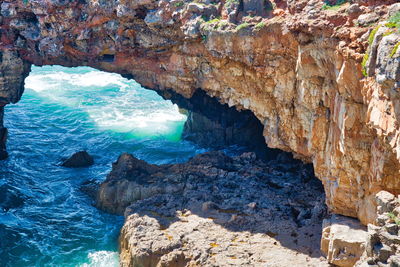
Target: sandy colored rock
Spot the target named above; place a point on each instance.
(343, 240)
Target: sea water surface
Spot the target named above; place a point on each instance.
(65, 110)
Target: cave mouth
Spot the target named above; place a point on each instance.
(64, 110)
(107, 100)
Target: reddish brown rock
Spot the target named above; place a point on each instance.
(298, 69)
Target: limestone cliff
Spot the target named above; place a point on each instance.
(295, 64)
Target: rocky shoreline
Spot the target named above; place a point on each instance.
(216, 210)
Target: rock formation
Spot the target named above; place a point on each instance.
(343, 240)
(10, 198)
(346, 242)
(383, 241)
(297, 67)
(78, 160)
(216, 210)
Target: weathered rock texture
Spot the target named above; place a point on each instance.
(343, 240)
(346, 242)
(215, 210)
(297, 67)
(382, 247)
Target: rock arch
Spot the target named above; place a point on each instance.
(303, 81)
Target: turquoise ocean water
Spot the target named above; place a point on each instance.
(64, 110)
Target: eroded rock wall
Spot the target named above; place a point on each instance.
(13, 71)
(297, 67)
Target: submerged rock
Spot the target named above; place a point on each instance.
(10, 198)
(78, 160)
(216, 210)
(90, 188)
(3, 154)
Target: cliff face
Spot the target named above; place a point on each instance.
(294, 64)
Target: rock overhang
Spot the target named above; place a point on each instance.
(297, 70)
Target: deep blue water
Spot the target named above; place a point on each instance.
(64, 110)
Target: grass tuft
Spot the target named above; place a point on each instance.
(364, 63)
(394, 50)
(394, 21)
(242, 26)
(260, 25)
(371, 37)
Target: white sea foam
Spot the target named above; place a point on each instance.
(102, 259)
(127, 109)
(96, 78)
(112, 117)
(47, 81)
(39, 83)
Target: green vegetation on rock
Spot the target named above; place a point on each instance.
(242, 26)
(260, 25)
(215, 24)
(371, 37)
(394, 218)
(216, 20)
(364, 63)
(394, 50)
(179, 4)
(394, 21)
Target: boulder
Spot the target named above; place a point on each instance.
(78, 160)
(343, 240)
(257, 7)
(367, 19)
(385, 202)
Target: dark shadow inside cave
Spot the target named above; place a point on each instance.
(217, 126)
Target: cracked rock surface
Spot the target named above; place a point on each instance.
(216, 210)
